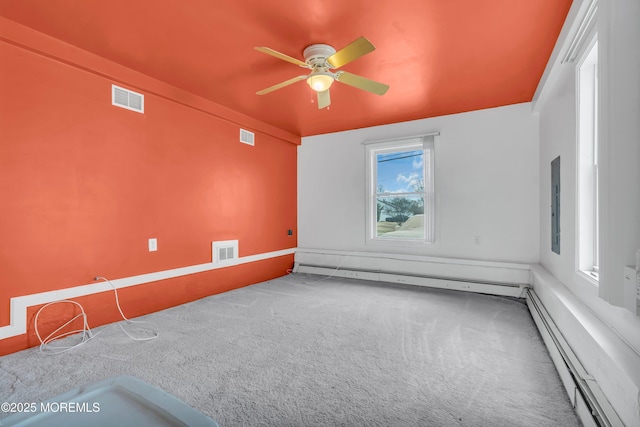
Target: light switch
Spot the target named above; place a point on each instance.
(153, 245)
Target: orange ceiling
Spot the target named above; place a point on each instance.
(438, 56)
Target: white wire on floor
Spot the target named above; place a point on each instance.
(45, 344)
(48, 345)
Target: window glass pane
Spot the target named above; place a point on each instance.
(400, 172)
(400, 217)
(587, 151)
(401, 195)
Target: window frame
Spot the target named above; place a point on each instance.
(587, 192)
(427, 143)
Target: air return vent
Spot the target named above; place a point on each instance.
(225, 252)
(125, 98)
(247, 137)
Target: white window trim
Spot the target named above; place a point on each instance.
(584, 276)
(430, 141)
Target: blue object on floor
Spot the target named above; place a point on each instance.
(119, 401)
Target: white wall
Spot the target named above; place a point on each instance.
(486, 180)
(619, 67)
(605, 337)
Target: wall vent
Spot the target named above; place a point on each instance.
(225, 252)
(247, 137)
(121, 97)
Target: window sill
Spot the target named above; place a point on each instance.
(381, 242)
(590, 277)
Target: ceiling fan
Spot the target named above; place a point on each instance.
(321, 59)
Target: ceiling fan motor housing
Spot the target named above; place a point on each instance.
(316, 54)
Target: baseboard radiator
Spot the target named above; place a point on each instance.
(460, 284)
(588, 399)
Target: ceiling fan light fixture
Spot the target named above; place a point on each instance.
(320, 82)
(320, 59)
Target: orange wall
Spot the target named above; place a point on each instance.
(84, 184)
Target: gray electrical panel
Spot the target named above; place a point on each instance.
(555, 205)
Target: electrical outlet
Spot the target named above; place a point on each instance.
(153, 245)
(476, 240)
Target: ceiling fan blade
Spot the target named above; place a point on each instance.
(362, 83)
(279, 55)
(324, 99)
(350, 52)
(281, 85)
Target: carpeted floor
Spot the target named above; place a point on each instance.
(299, 351)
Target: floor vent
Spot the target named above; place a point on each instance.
(225, 252)
(247, 137)
(125, 98)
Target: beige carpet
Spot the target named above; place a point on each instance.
(301, 352)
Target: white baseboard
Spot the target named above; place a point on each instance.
(579, 385)
(19, 305)
(511, 290)
(496, 278)
(609, 362)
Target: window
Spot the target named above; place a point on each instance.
(587, 105)
(400, 202)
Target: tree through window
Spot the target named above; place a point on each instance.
(401, 203)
